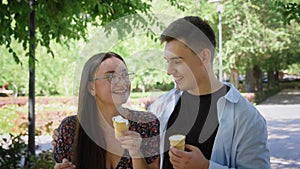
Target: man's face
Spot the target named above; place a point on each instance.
(185, 66)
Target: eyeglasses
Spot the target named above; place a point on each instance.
(114, 78)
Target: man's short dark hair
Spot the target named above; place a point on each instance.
(193, 32)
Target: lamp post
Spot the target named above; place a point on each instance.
(219, 10)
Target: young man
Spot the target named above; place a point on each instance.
(222, 129)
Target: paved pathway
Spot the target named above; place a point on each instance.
(282, 113)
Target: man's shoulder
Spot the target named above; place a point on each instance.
(247, 111)
(164, 99)
(167, 96)
(242, 107)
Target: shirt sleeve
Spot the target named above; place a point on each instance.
(252, 152)
(249, 144)
(64, 143)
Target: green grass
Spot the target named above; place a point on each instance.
(293, 84)
(137, 95)
(7, 117)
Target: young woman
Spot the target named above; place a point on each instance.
(87, 140)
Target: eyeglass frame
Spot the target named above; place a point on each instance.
(127, 77)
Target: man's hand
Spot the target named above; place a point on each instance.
(190, 159)
(54, 138)
(66, 164)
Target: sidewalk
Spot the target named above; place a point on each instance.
(282, 113)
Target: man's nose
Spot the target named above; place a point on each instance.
(170, 69)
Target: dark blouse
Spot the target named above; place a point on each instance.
(144, 123)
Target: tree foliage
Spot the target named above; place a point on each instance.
(63, 23)
(290, 10)
(59, 20)
(254, 33)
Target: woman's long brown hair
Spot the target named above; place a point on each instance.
(89, 143)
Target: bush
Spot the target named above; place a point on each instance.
(43, 160)
(13, 151)
(14, 118)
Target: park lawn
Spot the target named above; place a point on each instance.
(137, 95)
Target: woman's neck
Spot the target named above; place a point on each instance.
(108, 111)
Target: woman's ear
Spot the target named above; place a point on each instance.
(91, 88)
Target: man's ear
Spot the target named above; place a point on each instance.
(205, 56)
(91, 88)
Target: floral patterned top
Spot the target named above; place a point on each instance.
(144, 123)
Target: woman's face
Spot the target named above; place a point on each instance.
(113, 85)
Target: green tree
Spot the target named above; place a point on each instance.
(59, 21)
(253, 38)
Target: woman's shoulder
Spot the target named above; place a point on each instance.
(69, 121)
(142, 116)
(145, 123)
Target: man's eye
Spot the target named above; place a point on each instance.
(177, 61)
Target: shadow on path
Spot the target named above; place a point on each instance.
(282, 113)
(284, 143)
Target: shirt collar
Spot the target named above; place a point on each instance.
(233, 95)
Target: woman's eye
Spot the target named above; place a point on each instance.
(111, 76)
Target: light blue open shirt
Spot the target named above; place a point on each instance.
(241, 140)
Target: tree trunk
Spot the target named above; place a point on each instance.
(271, 81)
(31, 99)
(277, 78)
(249, 80)
(257, 79)
(234, 77)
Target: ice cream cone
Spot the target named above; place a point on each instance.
(120, 124)
(177, 141)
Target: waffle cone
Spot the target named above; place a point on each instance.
(177, 141)
(120, 126)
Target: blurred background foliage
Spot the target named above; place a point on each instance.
(255, 35)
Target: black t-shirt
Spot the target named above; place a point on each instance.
(191, 114)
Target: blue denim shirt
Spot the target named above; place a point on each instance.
(241, 140)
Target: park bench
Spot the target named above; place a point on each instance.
(6, 93)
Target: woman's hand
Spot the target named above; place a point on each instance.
(66, 164)
(132, 141)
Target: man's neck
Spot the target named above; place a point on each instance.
(207, 88)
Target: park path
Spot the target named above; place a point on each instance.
(282, 113)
